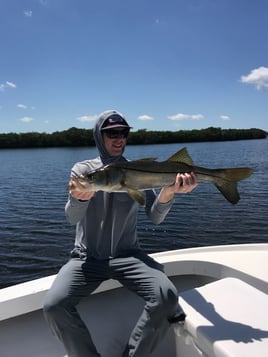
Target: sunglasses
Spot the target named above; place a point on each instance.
(116, 134)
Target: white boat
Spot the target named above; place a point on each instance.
(223, 290)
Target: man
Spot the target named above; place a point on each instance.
(106, 246)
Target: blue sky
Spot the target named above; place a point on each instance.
(165, 64)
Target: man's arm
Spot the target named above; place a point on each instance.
(77, 203)
(75, 209)
(158, 207)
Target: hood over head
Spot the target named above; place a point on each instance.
(108, 120)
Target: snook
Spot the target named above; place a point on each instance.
(135, 176)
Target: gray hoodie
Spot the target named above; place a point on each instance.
(106, 224)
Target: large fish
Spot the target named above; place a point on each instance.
(138, 175)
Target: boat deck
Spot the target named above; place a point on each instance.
(113, 310)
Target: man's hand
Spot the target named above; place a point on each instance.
(184, 183)
(80, 195)
(83, 196)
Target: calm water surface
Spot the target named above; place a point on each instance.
(36, 239)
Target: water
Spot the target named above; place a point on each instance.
(36, 239)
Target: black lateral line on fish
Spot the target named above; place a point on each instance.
(199, 171)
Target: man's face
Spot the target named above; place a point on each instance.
(115, 140)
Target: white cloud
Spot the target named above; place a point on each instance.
(8, 84)
(197, 116)
(11, 84)
(28, 13)
(22, 106)
(225, 117)
(87, 118)
(145, 117)
(26, 119)
(257, 77)
(181, 116)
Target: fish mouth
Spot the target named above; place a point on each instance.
(79, 184)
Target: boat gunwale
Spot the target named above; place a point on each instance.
(27, 297)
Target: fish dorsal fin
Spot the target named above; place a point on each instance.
(182, 156)
(147, 159)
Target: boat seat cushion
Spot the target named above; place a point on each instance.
(224, 318)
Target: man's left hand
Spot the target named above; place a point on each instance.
(184, 183)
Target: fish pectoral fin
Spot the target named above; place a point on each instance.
(182, 156)
(136, 195)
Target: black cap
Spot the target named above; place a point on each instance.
(115, 121)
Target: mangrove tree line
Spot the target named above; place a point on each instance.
(75, 137)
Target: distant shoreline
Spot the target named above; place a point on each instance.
(75, 137)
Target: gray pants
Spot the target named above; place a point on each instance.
(80, 277)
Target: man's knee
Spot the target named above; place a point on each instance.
(54, 306)
(166, 301)
(51, 308)
(170, 298)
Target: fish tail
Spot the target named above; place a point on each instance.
(227, 181)
(229, 191)
(237, 174)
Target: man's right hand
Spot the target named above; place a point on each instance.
(84, 196)
(80, 195)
